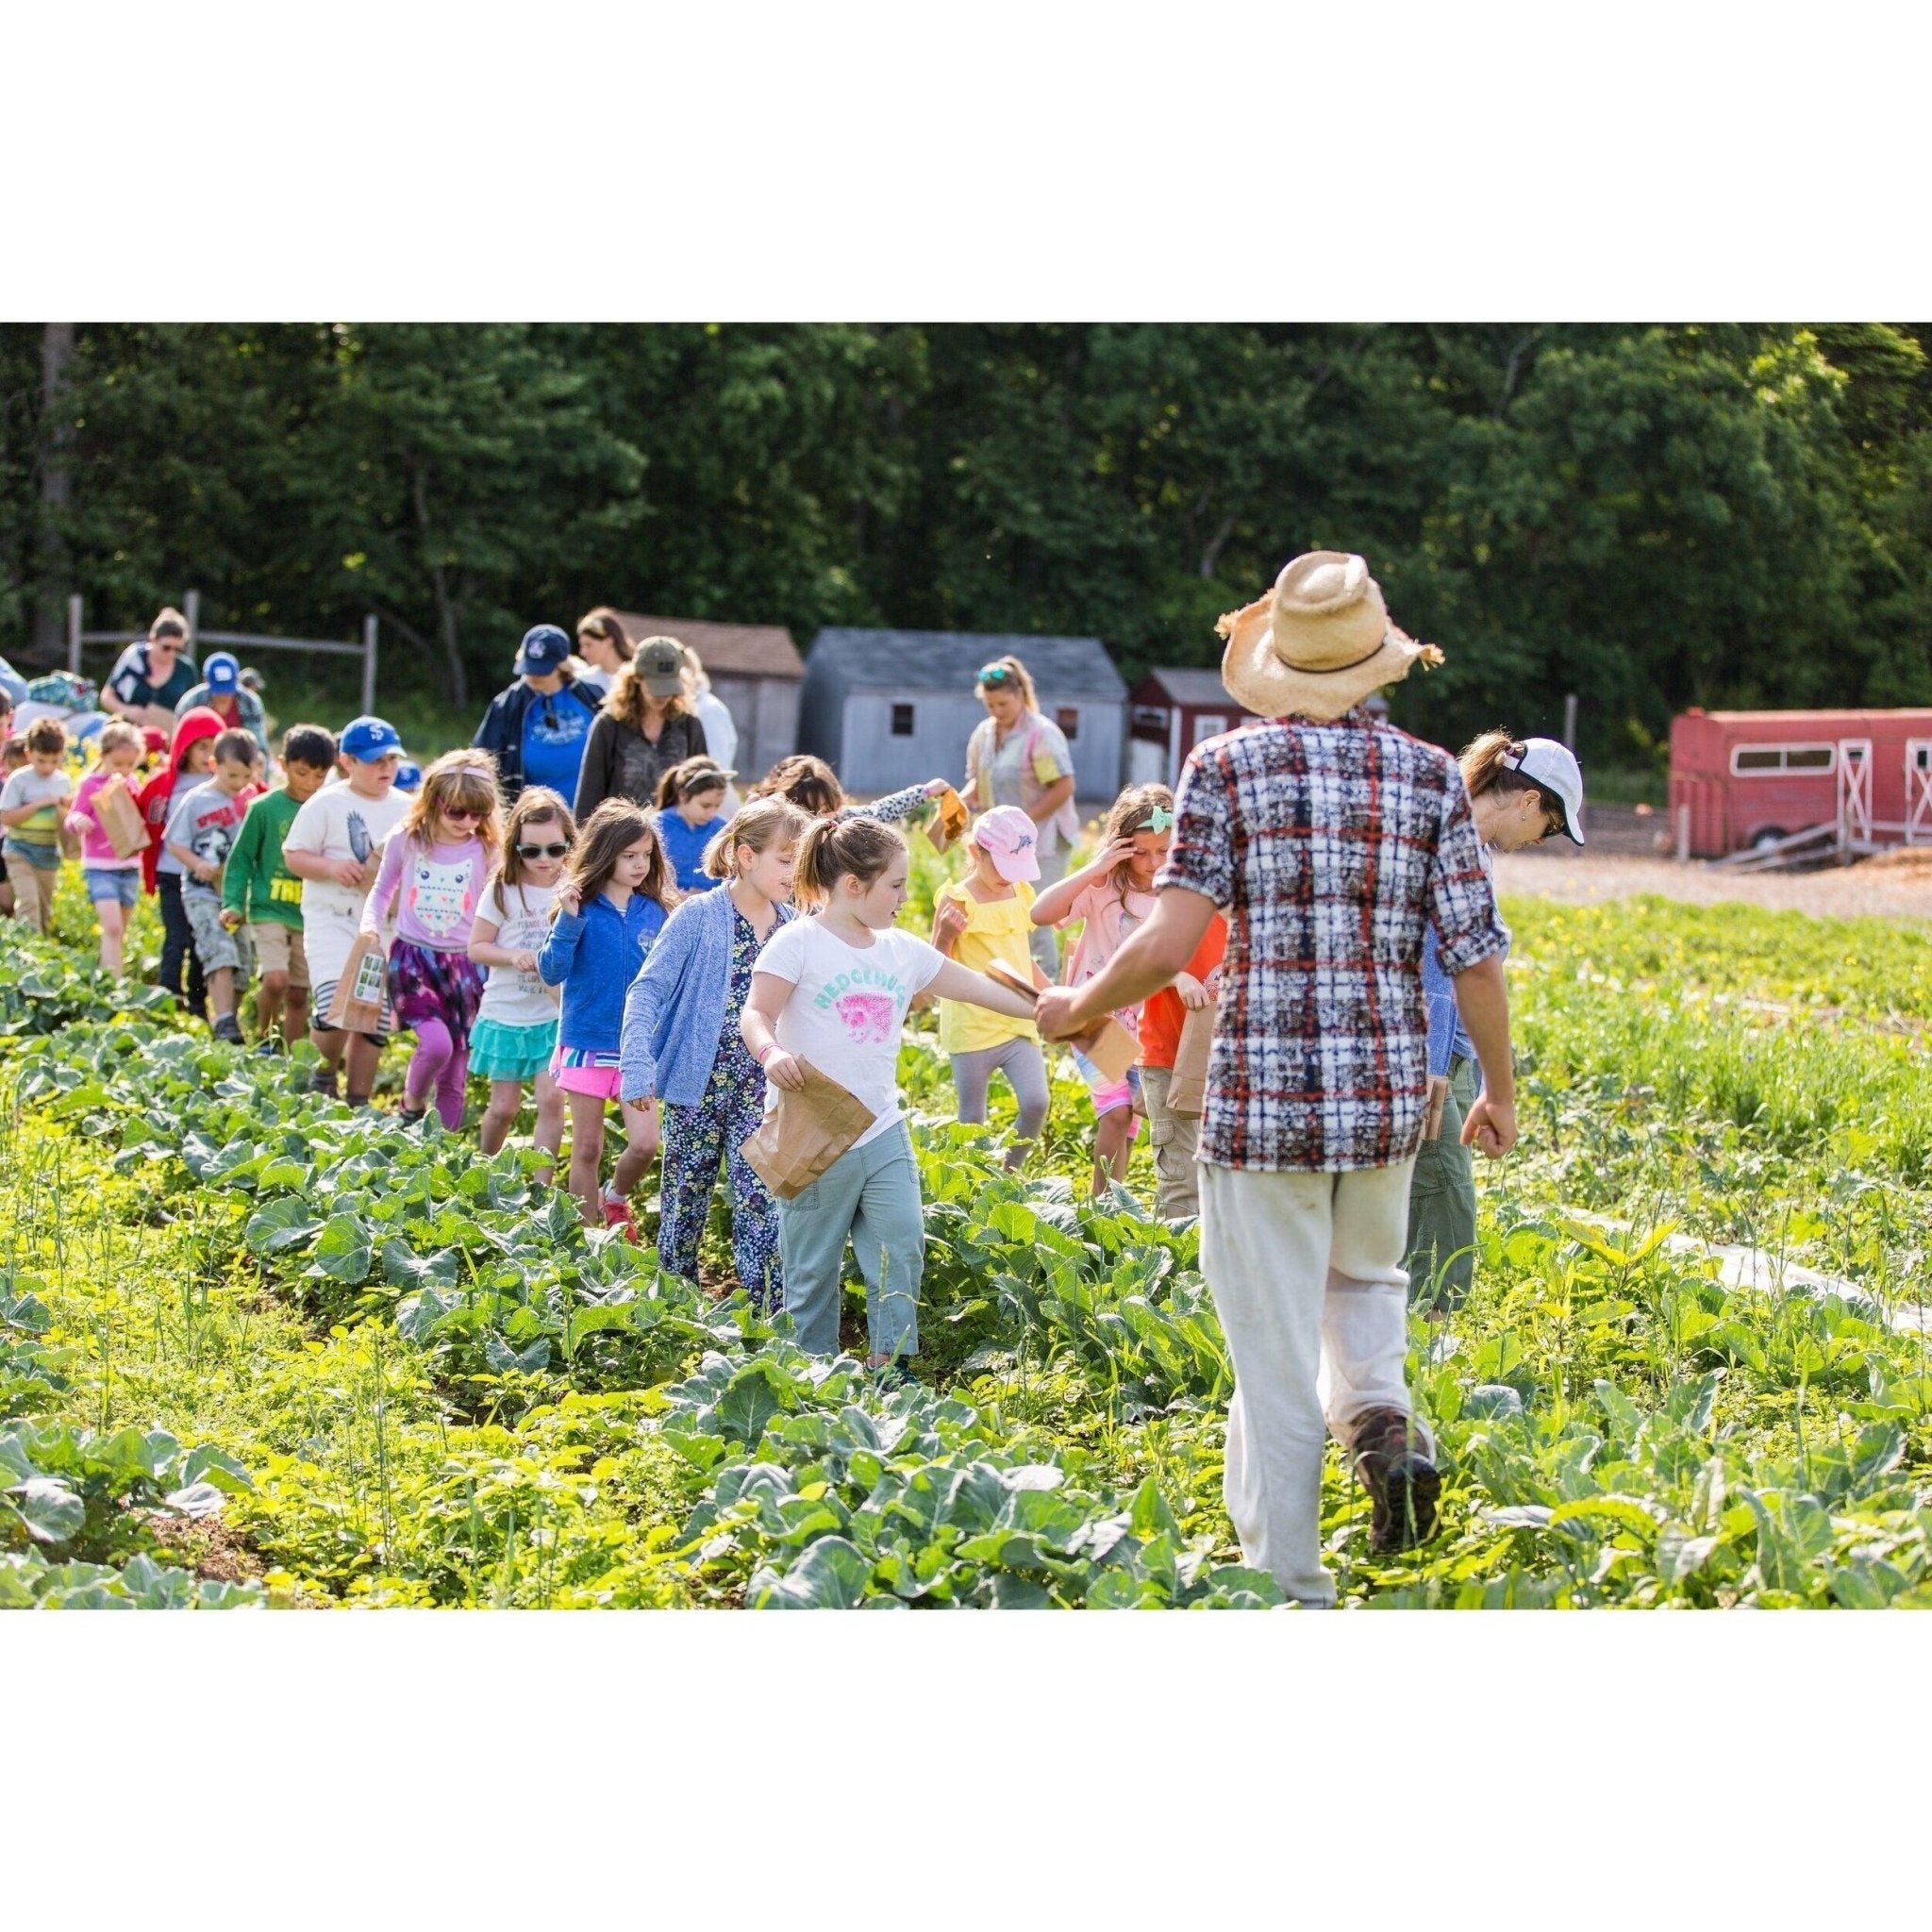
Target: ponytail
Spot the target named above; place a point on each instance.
(834, 849)
(1486, 765)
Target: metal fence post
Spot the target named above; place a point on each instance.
(191, 612)
(368, 665)
(74, 634)
(1570, 722)
(1683, 835)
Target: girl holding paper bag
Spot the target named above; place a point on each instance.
(112, 877)
(1109, 897)
(835, 991)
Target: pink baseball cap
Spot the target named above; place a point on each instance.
(1007, 835)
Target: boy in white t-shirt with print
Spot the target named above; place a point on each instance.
(334, 847)
(834, 991)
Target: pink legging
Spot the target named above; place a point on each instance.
(438, 1062)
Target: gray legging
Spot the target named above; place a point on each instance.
(1025, 1066)
(1045, 943)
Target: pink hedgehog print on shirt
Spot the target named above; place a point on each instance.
(442, 898)
(868, 1016)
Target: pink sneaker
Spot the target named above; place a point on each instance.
(618, 1215)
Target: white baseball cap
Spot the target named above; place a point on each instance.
(1554, 767)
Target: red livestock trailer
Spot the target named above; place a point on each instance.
(1752, 779)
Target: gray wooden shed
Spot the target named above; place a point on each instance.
(891, 707)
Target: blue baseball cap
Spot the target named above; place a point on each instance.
(371, 738)
(221, 674)
(409, 775)
(543, 650)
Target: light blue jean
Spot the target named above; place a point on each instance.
(870, 1194)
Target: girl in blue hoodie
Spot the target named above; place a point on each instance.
(682, 1047)
(615, 897)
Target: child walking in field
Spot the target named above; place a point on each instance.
(203, 822)
(614, 900)
(262, 898)
(983, 918)
(834, 991)
(113, 883)
(190, 757)
(690, 800)
(1107, 898)
(433, 872)
(515, 1034)
(1176, 1133)
(682, 1045)
(33, 804)
(333, 846)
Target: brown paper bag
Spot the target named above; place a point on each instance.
(1110, 1047)
(947, 826)
(999, 971)
(1187, 1088)
(121, 819)
(804, 1133)
(357, 1001)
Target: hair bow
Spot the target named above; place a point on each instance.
(1158, 820)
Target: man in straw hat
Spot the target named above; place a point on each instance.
(1333, 839)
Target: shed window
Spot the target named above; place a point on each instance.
(1068, 719)
(1765, 761)
(902, 721)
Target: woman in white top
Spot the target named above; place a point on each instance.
(1017, 757)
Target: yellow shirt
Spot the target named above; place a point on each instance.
(1002, 930)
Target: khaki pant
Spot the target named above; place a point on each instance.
(33, 891)
(278, 948)
(1305, 1271)
(1178, 1187)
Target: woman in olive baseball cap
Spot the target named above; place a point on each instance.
(646, 726)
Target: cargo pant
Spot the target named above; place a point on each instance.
(33, 890)
(1442, 1203)
(1178, 1187)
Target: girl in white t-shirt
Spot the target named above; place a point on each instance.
(834, 991)
(515, 1033)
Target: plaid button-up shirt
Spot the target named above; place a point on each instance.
(1332, 847)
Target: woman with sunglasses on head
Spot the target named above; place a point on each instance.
(515, 1034)
(1521, 792)
(434, 867)
(152, 675)
(1017, 757)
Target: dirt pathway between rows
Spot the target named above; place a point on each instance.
(1585, 878)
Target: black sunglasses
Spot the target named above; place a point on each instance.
(542, 851)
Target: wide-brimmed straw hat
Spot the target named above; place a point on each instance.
(1318, 644)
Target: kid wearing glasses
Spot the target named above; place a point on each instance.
(515, 1034)
(434, 868)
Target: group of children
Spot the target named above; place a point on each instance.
(684, 964)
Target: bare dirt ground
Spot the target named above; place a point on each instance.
(1618, 864)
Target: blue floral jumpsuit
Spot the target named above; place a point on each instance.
(696, 1138)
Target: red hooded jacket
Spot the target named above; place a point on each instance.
(157, 793)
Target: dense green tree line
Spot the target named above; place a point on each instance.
(1649, 516)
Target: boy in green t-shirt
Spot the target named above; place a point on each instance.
(259, 890)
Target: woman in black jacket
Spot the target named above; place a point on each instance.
(645, 728)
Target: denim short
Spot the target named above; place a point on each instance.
(121, 882)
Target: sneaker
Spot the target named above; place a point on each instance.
(268, 1049)
(323, 1081)
(1401, 1480)
(897, 1374)
(412, 1116)
(229, 1028)
(618, 1215)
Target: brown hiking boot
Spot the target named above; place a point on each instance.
(1401, 1480)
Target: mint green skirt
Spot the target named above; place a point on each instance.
(511, 1053)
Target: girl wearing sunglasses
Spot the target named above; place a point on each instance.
(516, 1024)
(433, 871)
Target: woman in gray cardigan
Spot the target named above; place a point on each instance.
(681, 1045)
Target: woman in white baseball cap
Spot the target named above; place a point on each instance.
(1521, 790)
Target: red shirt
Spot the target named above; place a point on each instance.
(1163, 1015)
